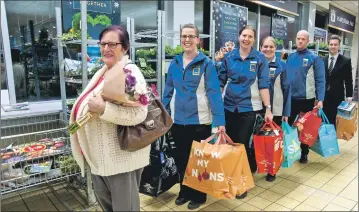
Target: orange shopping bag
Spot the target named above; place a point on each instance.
(220, 169)
(346, 128)
(268, 145)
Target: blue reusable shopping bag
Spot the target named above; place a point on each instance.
(327, 143)
(291, 145)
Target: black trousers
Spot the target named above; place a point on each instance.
(239, 127)
(183, 136)
(330, 106)
(303, 105)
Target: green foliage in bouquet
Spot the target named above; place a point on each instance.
(68, 164)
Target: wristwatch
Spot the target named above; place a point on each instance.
(268, 107)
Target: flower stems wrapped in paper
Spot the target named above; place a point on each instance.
(120, 87)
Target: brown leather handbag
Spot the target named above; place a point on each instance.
(156, 124)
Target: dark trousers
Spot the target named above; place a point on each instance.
(183, 136)
(239, 127)
(303, 105)
(330, 106)
(278, 120)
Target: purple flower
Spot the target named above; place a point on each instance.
(143, 99)
(130, 80)
(127, 71)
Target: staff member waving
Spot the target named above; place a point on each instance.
(244, 77)
(192, 96)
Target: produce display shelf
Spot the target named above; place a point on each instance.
(35, 150)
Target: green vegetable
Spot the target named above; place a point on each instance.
(68, 164)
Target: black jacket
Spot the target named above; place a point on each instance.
(340, 76)
(355, 95)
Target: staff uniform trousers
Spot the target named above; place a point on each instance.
(183, 136)
(118, 192)
(239, 127)
(303, 105)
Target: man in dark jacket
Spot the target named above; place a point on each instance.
(355, 95)
(339, 79)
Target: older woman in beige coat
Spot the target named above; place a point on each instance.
(115, 173)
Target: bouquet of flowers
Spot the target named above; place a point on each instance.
(121, 88)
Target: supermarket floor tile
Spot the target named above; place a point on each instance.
(323, 184)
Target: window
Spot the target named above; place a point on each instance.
(198, 14)
(32, 33)
(2, 65)
(321, 19)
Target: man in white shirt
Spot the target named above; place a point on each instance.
(339, 80)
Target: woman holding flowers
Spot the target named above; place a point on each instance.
(192, 96)
(115, 173)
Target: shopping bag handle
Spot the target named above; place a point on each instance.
(210, 138)
(323, 116)
(286, 127)
(224, 138)
(272, 125)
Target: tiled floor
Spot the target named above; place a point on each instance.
(324, 184)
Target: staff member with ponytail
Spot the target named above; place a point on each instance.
(280, 88)
(244, 79)
(192, 96)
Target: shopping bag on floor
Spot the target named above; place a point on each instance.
(346, 128)
(161, 174)
(268, 145)
(327, 143)
(291, 145)
(219, 169)
(308, 125)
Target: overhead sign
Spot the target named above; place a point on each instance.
(320, 34)
(341, 20)
(100, 14)
(288, 6)
(229, 19)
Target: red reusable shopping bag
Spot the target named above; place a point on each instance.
(308, 125)
(268, 145)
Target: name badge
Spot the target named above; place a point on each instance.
(195, 71)
(253, 66)
(305, 62)
(272, 72)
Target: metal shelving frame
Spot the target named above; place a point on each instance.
(157, 34)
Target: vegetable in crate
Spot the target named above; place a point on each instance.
(68, 165)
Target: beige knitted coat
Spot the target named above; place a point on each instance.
(98, 138)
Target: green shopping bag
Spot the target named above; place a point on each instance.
(291, 145)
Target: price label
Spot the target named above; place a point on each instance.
(143, 63)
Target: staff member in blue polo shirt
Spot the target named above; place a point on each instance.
(279, 89)
(192, 96)
(244, 79)
(308, 83)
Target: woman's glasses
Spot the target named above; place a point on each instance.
(184, 37)
(110, 45)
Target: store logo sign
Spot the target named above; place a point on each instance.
(341, 20)
(103, 6)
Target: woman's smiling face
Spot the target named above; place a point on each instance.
(246, 38)
(111, 48)
(268, 48)
(189, 39)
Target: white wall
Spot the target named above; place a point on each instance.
(178, 13)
